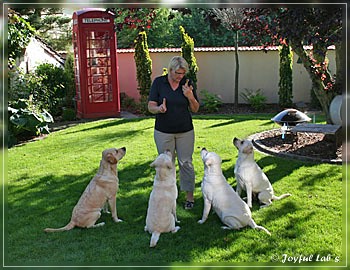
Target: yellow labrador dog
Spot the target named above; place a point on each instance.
(161, 212)
(250, 177)
(103, 187)
(218, 193)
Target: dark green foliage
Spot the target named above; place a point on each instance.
(19, 34)
(314, 102)
(205, 30)
(49, 87)
(285, 84)
(255, 98)
(187, 51)
(319, 27)
(21, 84)
(69, 81)
(210, 102)
(26, 121)
(162, 24)
(51, 24)
(51, 95)
(68, 114)
(46, 87)
(143, 66)
(128, 103)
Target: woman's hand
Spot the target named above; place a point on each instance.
(187, 90)
(162, 107)
(154, 108)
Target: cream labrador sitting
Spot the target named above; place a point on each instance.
(103, 187)
(161, 212)
(218, 193)
(250, 177)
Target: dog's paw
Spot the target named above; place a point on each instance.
(225, 228)
(201, 221)
(117, 220)
(175, 229)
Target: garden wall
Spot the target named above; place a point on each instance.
(258, 69)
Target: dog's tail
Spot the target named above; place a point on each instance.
(154, 239)
(68, 227)
(276, 198)
(257, 227)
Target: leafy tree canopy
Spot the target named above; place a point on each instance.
(319, 27)
(162, 27)
(19, 33)
(51, 24)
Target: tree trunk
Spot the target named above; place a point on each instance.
(340, 64)
(318, 82)
(237, 71)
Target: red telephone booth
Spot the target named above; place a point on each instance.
(95, 64)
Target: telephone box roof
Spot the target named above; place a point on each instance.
(85, 10)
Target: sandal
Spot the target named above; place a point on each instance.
(189, 205)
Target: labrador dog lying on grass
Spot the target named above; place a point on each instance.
(218, 193)
(161, 212)
(250, 177)
(101, 189)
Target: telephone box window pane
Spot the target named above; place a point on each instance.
(106, 80)
(99, 66)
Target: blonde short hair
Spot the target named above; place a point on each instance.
(177, 62)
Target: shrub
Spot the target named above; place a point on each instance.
(68, 114)
(26, 121)
(255, 98)
(52, 93)
(22, 85)
(143, 63)
(128, 103)
(187, 51)
(69, 83)
(50, 87)
(285, 84)
(209, 101)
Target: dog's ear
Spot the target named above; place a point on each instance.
(111, 159)
(168, 152)
(236, 141)
(153, 164)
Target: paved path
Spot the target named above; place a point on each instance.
(127, 115)
(66, 124)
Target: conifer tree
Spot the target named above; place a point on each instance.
(285, 84)
(143, 63)
(187, 51)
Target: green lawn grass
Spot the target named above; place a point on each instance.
(47, 177)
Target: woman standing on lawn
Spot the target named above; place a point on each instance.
(172, 99)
